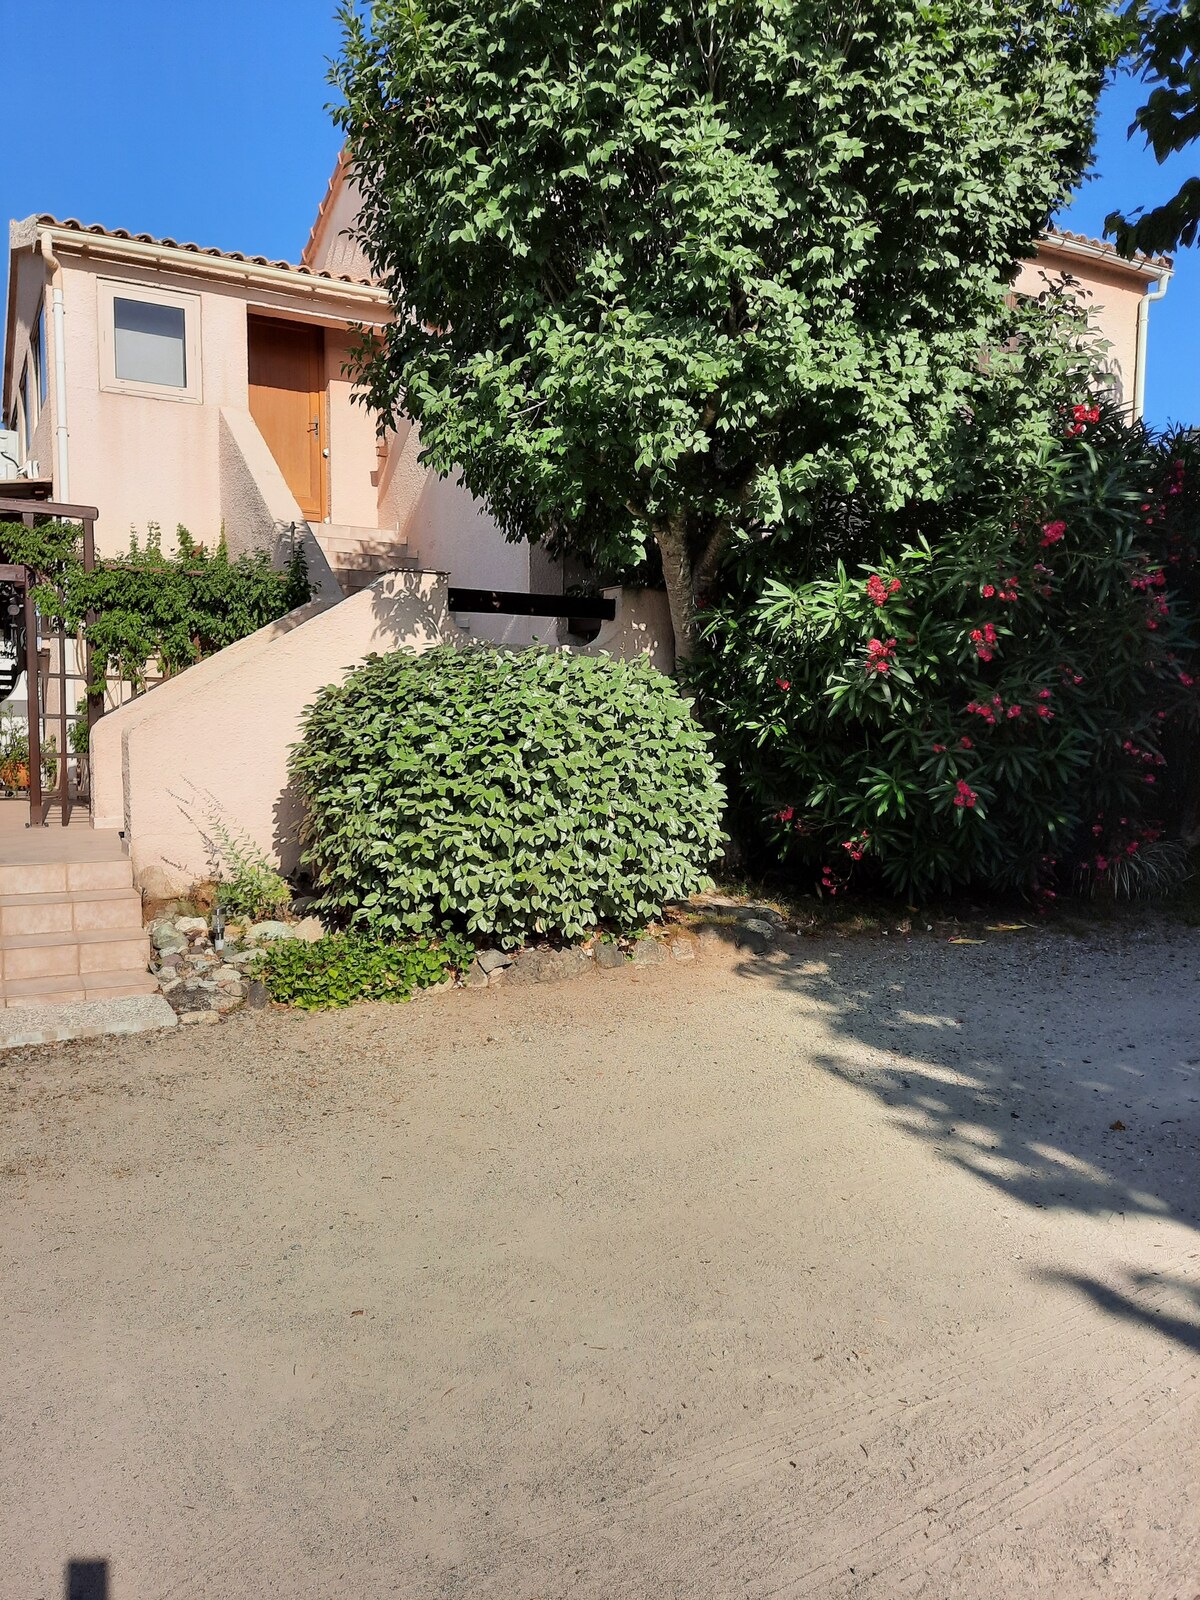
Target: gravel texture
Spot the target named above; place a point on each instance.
(859, 1269)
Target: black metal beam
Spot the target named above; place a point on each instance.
(513, 603)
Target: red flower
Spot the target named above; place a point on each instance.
(783, 683)
(966, 744)
(1052, 532)
(787, 813)
(879, 592)
(989, 590)
(965, 796)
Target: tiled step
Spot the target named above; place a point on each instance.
(81, 911)
(347, 541)
(67, 988)
(56, 955)
(63, 877)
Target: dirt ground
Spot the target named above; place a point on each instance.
(869, 1271)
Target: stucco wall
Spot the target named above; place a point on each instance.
(140, 458)
(29, 286)
(353, 498)
(331, 248)
(214, 741)
(1112, 302)
(449, 531)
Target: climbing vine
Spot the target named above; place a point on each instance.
(150, 607)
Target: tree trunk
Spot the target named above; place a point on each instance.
(678, 573)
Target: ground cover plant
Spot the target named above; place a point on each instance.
(504, 794)
(347, 967)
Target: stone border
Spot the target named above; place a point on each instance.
(201, 985)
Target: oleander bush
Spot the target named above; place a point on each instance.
(999, 690)
(502, 794)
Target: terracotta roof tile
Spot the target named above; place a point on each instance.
(75, 226)
(1159, 263)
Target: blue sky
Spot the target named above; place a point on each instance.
(207, 122)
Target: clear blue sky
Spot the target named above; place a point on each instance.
(207, 122)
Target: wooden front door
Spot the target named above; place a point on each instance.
(287, 401)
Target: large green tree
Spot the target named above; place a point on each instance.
(681, 273)
(1169, 60)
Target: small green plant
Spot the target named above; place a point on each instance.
(505, 793)
(14, 756)
(248, 885)
(343, 968)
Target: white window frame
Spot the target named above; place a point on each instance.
(112, 289)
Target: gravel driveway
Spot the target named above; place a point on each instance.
(871, 1270)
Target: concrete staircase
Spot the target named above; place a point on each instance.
(357, 556)
(70, 918)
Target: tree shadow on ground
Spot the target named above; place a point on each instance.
(1184, 1329)
(1064, 1073)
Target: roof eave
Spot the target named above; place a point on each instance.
(301, 281)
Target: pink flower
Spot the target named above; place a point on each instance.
(879, 592)
(989, 590)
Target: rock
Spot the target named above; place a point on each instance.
(682, 946)
(199, 1016)
(648, 952)
(476, 976)
(192, 926)
(156, 884)
(709, 934)
(265, 932)
(755, 935)
(240, 958)
(547, 966)
(227, 1002)
(767, 914)
(256, 994)
(167, 981)
(172, 961)
(493, 960)
(609, 954)
(191, 996)
(310, 929)
(166, 938)
(227, 974)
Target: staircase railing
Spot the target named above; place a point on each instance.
(40, 667)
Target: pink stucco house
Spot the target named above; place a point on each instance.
(163, 382)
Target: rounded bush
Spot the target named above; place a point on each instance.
(503, 793)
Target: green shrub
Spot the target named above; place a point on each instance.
(504, 794)
(343, 968)
(992, 697)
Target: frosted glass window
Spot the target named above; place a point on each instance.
(149, 343)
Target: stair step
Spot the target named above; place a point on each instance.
(375, 561)
(64, 877)
(80, 911)
(55, 955)
(73, 987)
(371, 540)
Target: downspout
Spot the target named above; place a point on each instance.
(62, 478)
(1159, 292)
